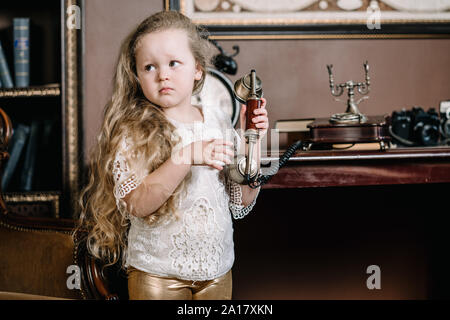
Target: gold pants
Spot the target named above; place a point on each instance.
(145, 286)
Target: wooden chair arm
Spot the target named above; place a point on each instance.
(98, 281)
(6, 132)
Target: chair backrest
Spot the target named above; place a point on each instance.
(35, 256)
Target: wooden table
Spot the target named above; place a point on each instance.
(357, 168)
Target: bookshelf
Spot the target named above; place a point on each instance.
(45, 178)
(42, 91)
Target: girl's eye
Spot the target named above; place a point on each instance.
(149, 67)
(173, 63)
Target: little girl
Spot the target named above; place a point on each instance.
(168, 221)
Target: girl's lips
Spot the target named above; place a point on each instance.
(165, 90)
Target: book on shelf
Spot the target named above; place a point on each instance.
(18, 142)
(45, 177)
(357, 146)
(28, 171)
(293, 125)
(21, 39)
(296, 129)
(5, 74)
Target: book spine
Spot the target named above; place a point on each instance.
(45, 175)
(17, 145)
(22, 51)
(5, 75)
(30, 157)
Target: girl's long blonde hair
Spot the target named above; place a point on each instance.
(130, 113)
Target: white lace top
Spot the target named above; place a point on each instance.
(198, 245)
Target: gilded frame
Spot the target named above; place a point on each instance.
(244, 28)
(71, 94)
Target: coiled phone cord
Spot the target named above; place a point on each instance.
(263, 179)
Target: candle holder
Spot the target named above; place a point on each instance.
(352, 114)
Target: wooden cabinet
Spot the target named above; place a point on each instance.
(51, 103)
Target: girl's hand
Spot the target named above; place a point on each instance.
(261, 120)
(214, 153)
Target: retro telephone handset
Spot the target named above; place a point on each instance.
(244, 170)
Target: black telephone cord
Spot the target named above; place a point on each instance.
(263, 179)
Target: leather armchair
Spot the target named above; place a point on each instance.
(35, 254)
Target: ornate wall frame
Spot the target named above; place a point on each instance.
(318, 19)
(71, 101)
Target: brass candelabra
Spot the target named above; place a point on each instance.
(352, 114)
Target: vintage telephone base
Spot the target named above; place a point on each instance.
(374, 129)
(347, 118)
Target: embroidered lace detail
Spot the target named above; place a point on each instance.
(127, 186)
(145, 244)
(238, 210)
(198, 245)
(125, 179)
(150, 240)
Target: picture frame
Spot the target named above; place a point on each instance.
(318, 19)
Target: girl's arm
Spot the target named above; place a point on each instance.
(158, 186)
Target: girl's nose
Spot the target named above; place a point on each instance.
(163, 74)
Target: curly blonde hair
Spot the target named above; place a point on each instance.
(151, 138)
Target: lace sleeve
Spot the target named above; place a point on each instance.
(238, 210)
(125, 179)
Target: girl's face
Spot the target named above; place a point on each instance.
(166, 68)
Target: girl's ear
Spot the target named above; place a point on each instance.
(198, 72)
